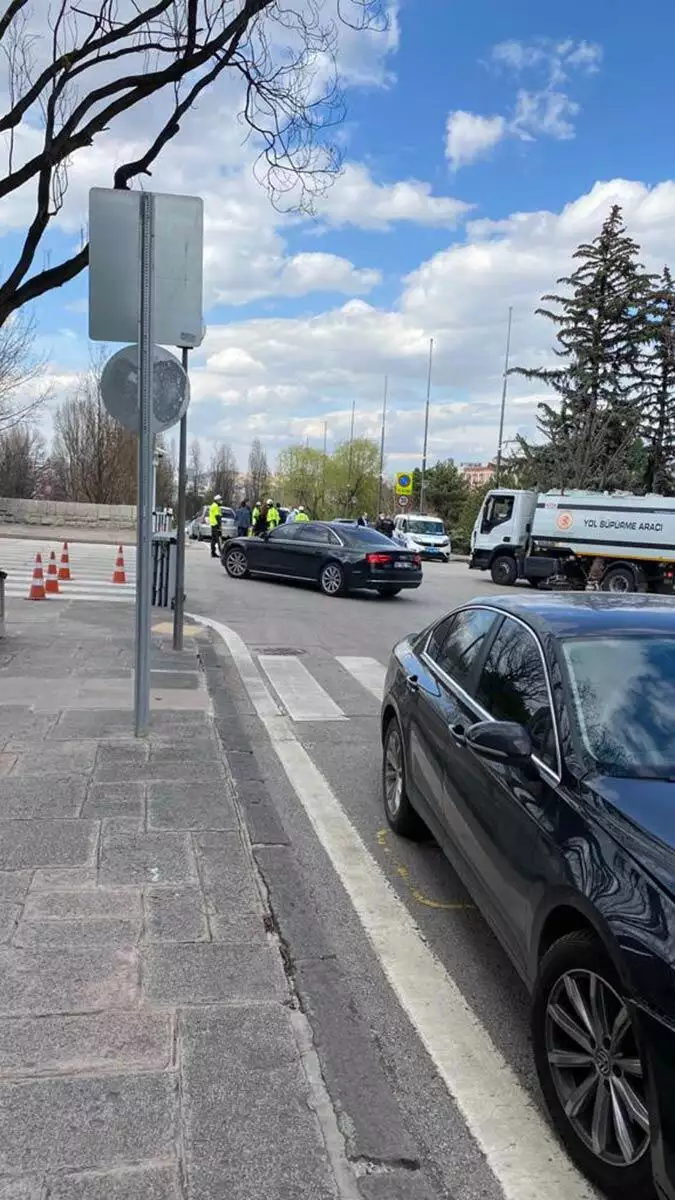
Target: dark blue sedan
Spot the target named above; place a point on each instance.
(535, 738)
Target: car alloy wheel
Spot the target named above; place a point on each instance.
(398, 810)
(596, 1068)
(236, 564)
(393, 771)
(332, 579)
(590, 1067)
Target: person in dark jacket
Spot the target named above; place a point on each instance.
(261, 522)
(243, 519)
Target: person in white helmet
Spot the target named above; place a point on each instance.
(214, 523)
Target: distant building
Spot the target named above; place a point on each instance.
(478, 474)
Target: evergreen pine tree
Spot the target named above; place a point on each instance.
(658, 407)
(602, 330)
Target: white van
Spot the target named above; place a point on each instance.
(425, 534)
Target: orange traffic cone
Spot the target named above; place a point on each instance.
(52, 580)
(37, 587)
(118, 573)
(64, 565)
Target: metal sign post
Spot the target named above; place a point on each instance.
(179, 600)
(145, 470)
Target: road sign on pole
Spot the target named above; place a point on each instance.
(403, 483)
(170, 389)
(403, 501)
(114, 284)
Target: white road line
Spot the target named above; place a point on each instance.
(303, 698)
(125, 598)
(368, 672)
(520, 1148)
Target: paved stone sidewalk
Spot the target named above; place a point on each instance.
(150, 1046)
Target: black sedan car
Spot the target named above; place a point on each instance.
(535, 738)
(339, 558)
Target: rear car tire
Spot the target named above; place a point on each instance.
(400, 814)
(235, 563)
(593, 1084)
(504, 570)
(618, 579)
(388, 591)
(332, 579)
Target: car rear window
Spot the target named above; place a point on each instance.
(228, 513)
(363, 535)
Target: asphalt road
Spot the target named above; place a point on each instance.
(285, 624)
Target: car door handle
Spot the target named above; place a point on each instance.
(412, 683)
(458, 732)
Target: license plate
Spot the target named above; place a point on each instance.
(403, 563)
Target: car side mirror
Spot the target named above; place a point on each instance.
(500, 741)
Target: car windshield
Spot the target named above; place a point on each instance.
(623, 691)
(435, 528)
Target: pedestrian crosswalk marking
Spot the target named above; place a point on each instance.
(368, 672)
(302, 697)
(91, 568)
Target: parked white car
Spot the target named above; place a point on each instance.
(200, 530)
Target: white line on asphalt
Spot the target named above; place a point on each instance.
(303, 698)
(368, 672)
(520, 1148)
(74, 594)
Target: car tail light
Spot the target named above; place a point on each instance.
(379, 560)
(417, 560)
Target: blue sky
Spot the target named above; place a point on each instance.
(482, 143)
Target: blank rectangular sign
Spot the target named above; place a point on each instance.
(114, 267)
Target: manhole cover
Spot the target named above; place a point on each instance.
(290, 650)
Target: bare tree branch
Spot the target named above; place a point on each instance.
(106, 61)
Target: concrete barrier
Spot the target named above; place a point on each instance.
(65, 514)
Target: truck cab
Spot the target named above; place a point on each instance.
(501, 533)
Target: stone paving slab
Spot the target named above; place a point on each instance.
(179, 806)
(51, 935)
(42, 843)
(48, 1124)
(212, 974)
(269, 1144)
(146, 858)
(102, 1040)
(76, 980)
(42, 796)
(176, 915)
(151, 1183)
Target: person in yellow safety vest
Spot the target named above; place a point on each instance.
(214, 522)
(301, 515)
(273, 515)
(255, 517)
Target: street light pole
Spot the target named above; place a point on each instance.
(498, 465)
(351, 451)
(384, 421)
(426, 430)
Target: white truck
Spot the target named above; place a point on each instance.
(620, 542)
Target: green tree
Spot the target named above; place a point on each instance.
(258, 472)
(602, 332)
(658, 406)
(300, 478)
(352, 475)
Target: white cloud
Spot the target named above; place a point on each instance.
(470, 136)
(308, 369)
(543, 111)
(357, 199)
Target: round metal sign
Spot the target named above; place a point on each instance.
(403, 501)
(170, 389)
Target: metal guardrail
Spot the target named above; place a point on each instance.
(164, 569)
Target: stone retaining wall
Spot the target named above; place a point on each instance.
(64, 513)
